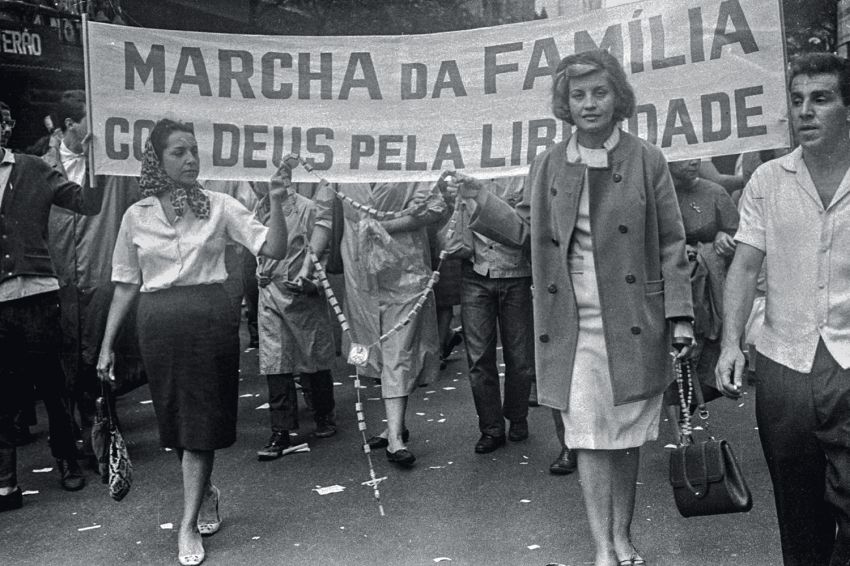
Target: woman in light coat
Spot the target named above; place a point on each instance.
(611, 281)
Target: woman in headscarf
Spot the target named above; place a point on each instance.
(170, 249)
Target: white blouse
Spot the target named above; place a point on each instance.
(157, 254)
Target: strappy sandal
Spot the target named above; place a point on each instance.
(209, 526)
(192, 559)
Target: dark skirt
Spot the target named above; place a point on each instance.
(189, 340)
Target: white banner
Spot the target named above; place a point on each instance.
(709, 77)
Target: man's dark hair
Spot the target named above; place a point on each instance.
(72, 105)
(163, 129)
(823, 64)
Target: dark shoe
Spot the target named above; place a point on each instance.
(325, 428)
(72, 478)
(401, 457)
(487, 443)
(532, 395)
(377, 442)
(14, 500)
(273, 450)
(565, 464)
(455, 340)
(518, 431)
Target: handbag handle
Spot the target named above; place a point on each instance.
(697, 493)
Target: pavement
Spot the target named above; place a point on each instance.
(453, 508)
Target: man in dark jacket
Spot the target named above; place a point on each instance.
(29, 307)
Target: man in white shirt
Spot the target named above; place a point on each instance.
(795, 216)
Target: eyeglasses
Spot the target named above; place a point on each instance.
(10, 123)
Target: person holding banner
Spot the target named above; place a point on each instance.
(170, 252)
(387, 267)
(611, 279)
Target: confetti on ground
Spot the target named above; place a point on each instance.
(430, 392)
(81, 529)
(448, 388)
(441, 420)
(263, 406)
(429, 421)
(30, 492)
(741, 405)
(698, 428)
(443, 559)
(436, 467)
(337, 383)
(373, 398)
(42, 470)
(249, 350)
(328, 489)
(168, 449)
(425, 398)
(166, 526)
(525, 501)
(255, 538)
(523, 463)
(299, 448)
(755, 428)
(247, 395)
(257, 395)
(420, 414)
(533, 546)
(148, 402)
(670, 446)
(138, 542)
(524, 456)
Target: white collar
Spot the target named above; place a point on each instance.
(596, 158)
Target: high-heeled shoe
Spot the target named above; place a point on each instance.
(192, 559)
(208, 525)
(376, 442)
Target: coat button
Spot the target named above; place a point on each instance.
(555, 242)
(544, 338)
(552, 288)
(635, 330)
(623, 228)
(617, 177)
(630, 278)
(554, 191)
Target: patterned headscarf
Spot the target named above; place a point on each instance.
(156, 181)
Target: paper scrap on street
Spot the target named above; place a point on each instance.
(420, 414)
(436, 467)
(247, 395)
(441, 420)
(299, 448)
(328, 489)
(533, 546)
(166, 526)
(443, 559)
(30, 492)
(263, 406)
(81, 529)
(148, 402)
(525, 501)
(255, 538)
(337, 383)
(448, 388)
(42, 470)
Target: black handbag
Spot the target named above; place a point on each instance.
(705, 475)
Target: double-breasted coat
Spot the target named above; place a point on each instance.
(639, 252)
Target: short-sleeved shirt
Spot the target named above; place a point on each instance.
(807, 255)
(156, 254)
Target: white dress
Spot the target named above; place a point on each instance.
(591, 420)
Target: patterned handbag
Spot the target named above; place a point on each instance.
(705, 475)
(116, 469)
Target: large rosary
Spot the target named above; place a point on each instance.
(358, 355)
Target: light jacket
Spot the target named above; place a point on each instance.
(641, 264)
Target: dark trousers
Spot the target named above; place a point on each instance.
(252, 294)
(283, 399)
(487, 305)
(30, 340)
(804, 426)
